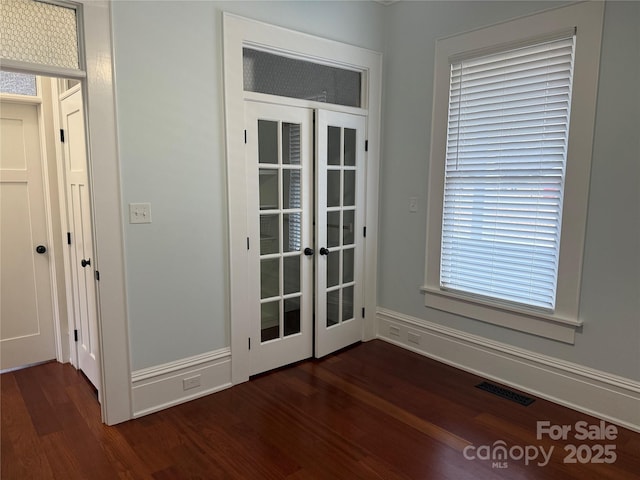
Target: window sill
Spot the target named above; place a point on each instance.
(551, 326)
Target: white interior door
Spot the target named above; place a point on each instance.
(280, 224)
(340, 208)
(82, 266)
(306, 287)
(26, 313)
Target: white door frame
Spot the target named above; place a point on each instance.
(96, 69)
(239, 32)
(64, 227)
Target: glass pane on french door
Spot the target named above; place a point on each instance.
(280, 210)
(339, 229)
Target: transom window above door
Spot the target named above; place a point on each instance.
(265, 72)
(18, 83)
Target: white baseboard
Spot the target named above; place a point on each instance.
(161, 386)
(603, 395)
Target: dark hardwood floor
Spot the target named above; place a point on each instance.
(373, 411)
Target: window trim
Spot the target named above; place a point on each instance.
(560, 325)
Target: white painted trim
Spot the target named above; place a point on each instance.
(159, 387)
(236, 32)
(69, 92)
(28, 67)
(301, 103)
(547, 326)
(107, 215)
(51, 244)
(594, 392)
(587, 17)
(64, 224)
(23, 99)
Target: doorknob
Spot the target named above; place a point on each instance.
(324, 251)
(84, 262)
(308, 251)
(41, 249)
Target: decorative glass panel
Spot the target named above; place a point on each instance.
(269, 277)
(291, 232)
(291, 190)
(267, 141)
(269, 321)
(333, 308)
(333, 188)
(18, 83)
(349, 188)
(333, 145)
(290, 144)
(349, 147)
(348, 229)
(291, 316)
(347, 303)
(347, 265)
(333, 229)
(269, 230)
(38, 32)
(333, 269)
(291, 274)
(268, 189)
(288, 77)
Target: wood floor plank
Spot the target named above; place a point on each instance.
(22, 457)
(389, 408)
(374, 411)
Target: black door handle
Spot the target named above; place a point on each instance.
(308, 251)
(324, 251)
(41, 249)
(84, 262)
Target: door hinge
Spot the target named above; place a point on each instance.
(97, 275)
(245, 136)
(249, 343)
(364, 231)
(68, 238)
(366, 145)
(62, 135)
(247, 243)
(362, 312)
(75, 335)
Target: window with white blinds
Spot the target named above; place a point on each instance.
(506, 155)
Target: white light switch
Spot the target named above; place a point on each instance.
(139, 213)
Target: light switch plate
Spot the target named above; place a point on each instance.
(139, 213)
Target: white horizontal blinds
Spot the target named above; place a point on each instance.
(504, 175)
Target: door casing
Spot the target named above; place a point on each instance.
(95, 45)
(239, 32)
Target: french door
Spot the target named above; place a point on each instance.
(305, 214)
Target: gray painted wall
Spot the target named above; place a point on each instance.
(610, 340)
(168, 60)
(169, 95)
